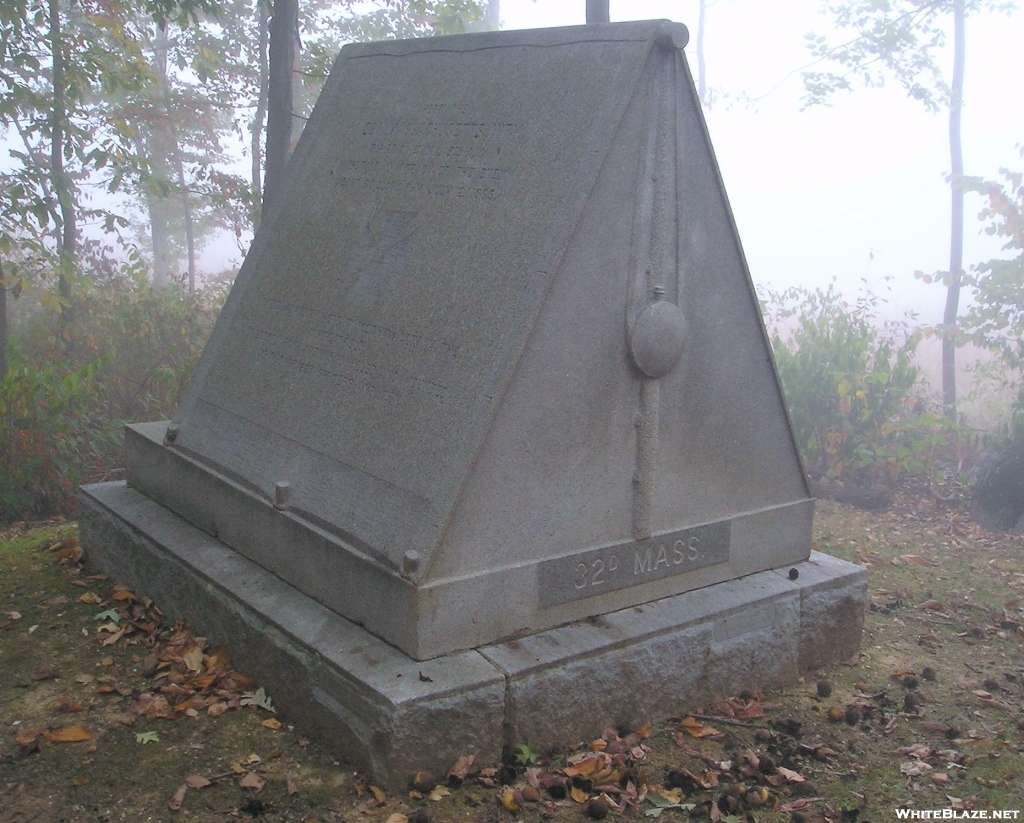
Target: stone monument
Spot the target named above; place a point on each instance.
(490, 396)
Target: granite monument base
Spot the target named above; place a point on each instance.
(392, 715)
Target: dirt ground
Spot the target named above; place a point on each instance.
(108, 712)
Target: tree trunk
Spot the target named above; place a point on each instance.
(67, 239)
(256, 145)
(159, 229)
(492, 15)
(152, 143)
(597, 11)
(701, 85)
(956, 239)
(5, 332)
(186, 202)
(283, 30)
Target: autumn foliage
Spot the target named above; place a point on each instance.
(71, 386)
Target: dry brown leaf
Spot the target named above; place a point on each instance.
(203, 681)
(26, 736)
(598, 745)
(84, 678)
(290, 785)
(461, 769)
(699, 730)
(582, 768)
(217, 709)
(193, 658)
(378, 793)
(645, 730)
(790, 775)
(397, 817)
(197, 781)
(111, 639)
(89, 597)
(251, 780)
(438, 793)
(179, 797)
(272, 723)
(236, 767)
(46, 673)
(578, 794)
(124, 596)
(72, 734)
(67, 704)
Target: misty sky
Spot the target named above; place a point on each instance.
(815, 193)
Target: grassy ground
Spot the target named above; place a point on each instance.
(109, 713)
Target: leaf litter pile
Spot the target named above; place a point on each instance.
(108, 711)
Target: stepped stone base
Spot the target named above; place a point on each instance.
(393, 715)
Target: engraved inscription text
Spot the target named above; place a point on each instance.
(593, 571)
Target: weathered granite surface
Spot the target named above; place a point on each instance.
(393, 715)
(494, 357)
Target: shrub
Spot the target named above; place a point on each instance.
(125, 357)
(851, 386)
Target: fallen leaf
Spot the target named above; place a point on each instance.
(915, 768)
(13, 615)
(699, 730)
(107, 661)
(218, 660)
(72, 734)
(397, 817)
(577, 794)
(84, 678)
(147, 737)
(80, 781)
(379, 795)
(124, 596)
(217, 709)
(237, 768)
(251, 780)
(439, 792)
(258, 698)
(89, 597)
(272, 723)
(790, 775)
(193, 659)
(46, 673)
(26, 736)
(291, 785)
(461, 769)
(645, 730)
(179, 796)
(582, 768)
(197, 781)
(67, 704)
(110, 640)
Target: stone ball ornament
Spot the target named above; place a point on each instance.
(658, 338)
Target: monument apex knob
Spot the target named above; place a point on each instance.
(673, 36)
